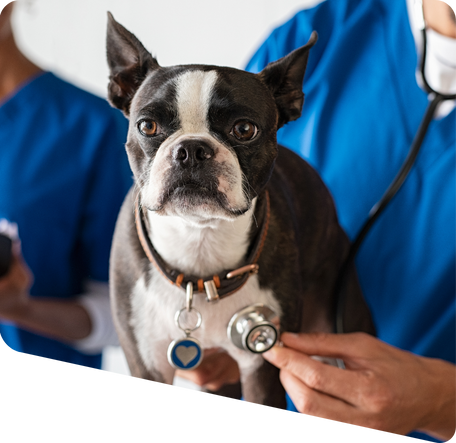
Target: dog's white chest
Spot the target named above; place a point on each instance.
(154, 308)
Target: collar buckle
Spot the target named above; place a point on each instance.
(251, 269)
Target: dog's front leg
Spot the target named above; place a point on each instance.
(262, 384)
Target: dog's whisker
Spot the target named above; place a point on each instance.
(255, 220)
(140, 183)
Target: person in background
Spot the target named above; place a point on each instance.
(363, 106)
(63, 176)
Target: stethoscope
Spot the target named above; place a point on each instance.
(435, 98)
(262, 319)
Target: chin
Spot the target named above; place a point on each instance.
(200, 209)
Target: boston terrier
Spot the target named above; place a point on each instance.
(220, 219)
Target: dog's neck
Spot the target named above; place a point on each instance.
(201, 249)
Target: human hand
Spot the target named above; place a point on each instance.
(382, 387)
(216, 370)
(15, 285)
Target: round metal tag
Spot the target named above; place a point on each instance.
(185, 353)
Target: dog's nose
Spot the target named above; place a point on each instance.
(190, 153)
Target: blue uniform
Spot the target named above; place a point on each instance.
(63, 176)
(362, 108)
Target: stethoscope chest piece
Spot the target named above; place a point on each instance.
(254, 328)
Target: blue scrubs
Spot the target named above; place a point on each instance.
(362, 109)
(63, 176)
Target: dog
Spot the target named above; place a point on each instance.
(214, 194)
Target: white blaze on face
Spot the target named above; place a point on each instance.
(194, 90)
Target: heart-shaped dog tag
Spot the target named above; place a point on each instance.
(185, 353)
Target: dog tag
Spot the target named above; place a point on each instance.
(185, 353)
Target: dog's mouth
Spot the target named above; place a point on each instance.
(194, 197)
(191, 193)
(191, 187)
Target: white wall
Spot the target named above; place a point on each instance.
(68, 37)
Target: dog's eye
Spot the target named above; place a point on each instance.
(148, 128)
(244, 130)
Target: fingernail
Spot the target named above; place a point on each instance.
(290, 334)
(271, 354)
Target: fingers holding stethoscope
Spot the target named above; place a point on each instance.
(382, 387)
(296, 364)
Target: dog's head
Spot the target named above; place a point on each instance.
(202, 139)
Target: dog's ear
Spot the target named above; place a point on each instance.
(284, 78)
(129, 62)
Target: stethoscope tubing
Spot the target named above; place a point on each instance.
(435, 99)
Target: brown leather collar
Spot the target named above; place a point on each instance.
(216, 286)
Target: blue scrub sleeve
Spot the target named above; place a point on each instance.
(111, 178)
(290, 36)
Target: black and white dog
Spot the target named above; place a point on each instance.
(216, 195)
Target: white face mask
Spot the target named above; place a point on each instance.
(440, 67)
(441, 62)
